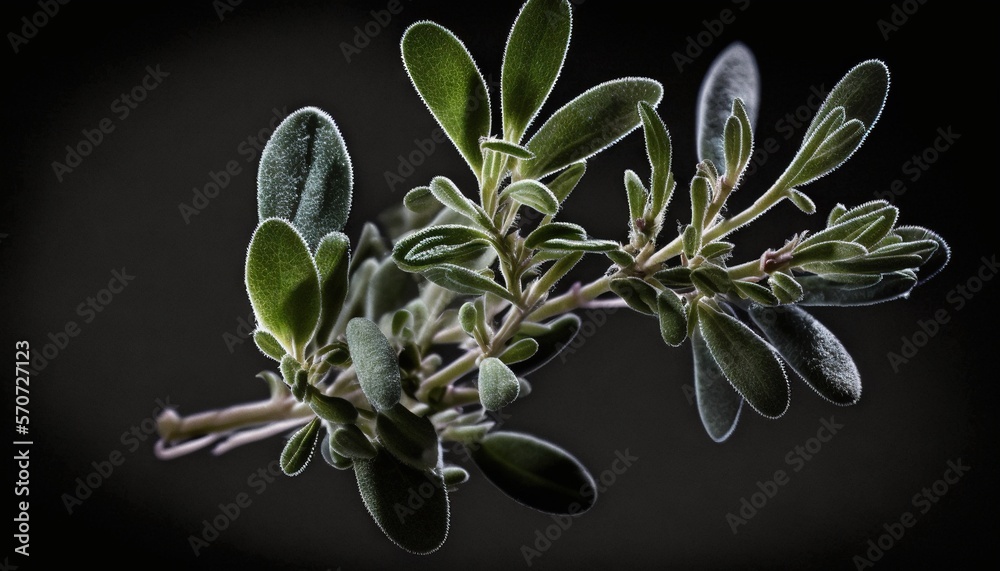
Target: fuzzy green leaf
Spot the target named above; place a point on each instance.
(536, 49)
(660, 155)
(387, 485)
(827, 252)
(750, 364)
(333, 260)
(332, 409)
(564, 183)
(711, 279)
(716, 249)
(535, 473)
(533, 194)
(936, 260)
(785, 287)
(678, 277)
(719, 405)
(305, 175)
(756, 292)
(448, 194)
(519, 350)
(351, 442)
(598, 118)
(733, 74)
(498, 386)
(638, 294)
(637, 198)
(801, 201)
(442, 244)
(672, 316)
(374, 363)
(861, 92)
(409, 437)
(834, 151)
(299, 448)
(283, 284)
(465, 281)
(390, 288)
(812, 351)
(507, 148)
(552, 338)
(821, 291)
(268, 345)
(448, 81)
(421, 200)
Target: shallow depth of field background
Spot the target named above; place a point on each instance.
(221, 79)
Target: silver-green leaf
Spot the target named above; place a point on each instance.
(733, 74)
(719, 405)
(498, 386)
(374, 363)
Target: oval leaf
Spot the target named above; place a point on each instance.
(333, 409)
(268, 345)
(409, 437)
(749, 363)
(812, 351)
(536, 49)
(299, 448)
(351, 442)
(535, 473)
(305, 175)
(719, 405)
(733, 74)
(533, 194)
(552, 338)
(386, 487)
(498, 386)
(283, 284)
(673, 318)
(333, 260)
(451, 86)
(598, 118)
(519, 350)
(374, 362)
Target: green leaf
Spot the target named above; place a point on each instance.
(866, 229)
(552, 338)
(535, 473)
(507, 148)
(277, 386)
(711, 279)
(820, 291)
(785, 287)
(598, 118)
(519, 350)
(369, 245)
(390, 289)
(564, 183)
(498, 386)
(719, 405)
(451, 86)
(638, 294)
(936, 260)
(834, 151)
(637, 198)
(801, 201)
(332, 409)
(827, 252)
(660, 154)
(465, 281)
(732, 75)
(268, 345)
(412, 439)
(299, 448)
(673, 318)
(716, 249)
(351, 442)
(701, 196)
(749, 363)
(756, 292)
(374, 363)
(331, 456)
(677, 277)
(533, 194)
(442, 244)
(448, 194)
(468, 317)
(421, 200)
(454, 475)
(536, 49)
(386, 487)
(732, 141)
(861, 92)
(305, 175)
(812, 351)
(333, 260)
(283, 284)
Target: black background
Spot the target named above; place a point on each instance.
(163, 336)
